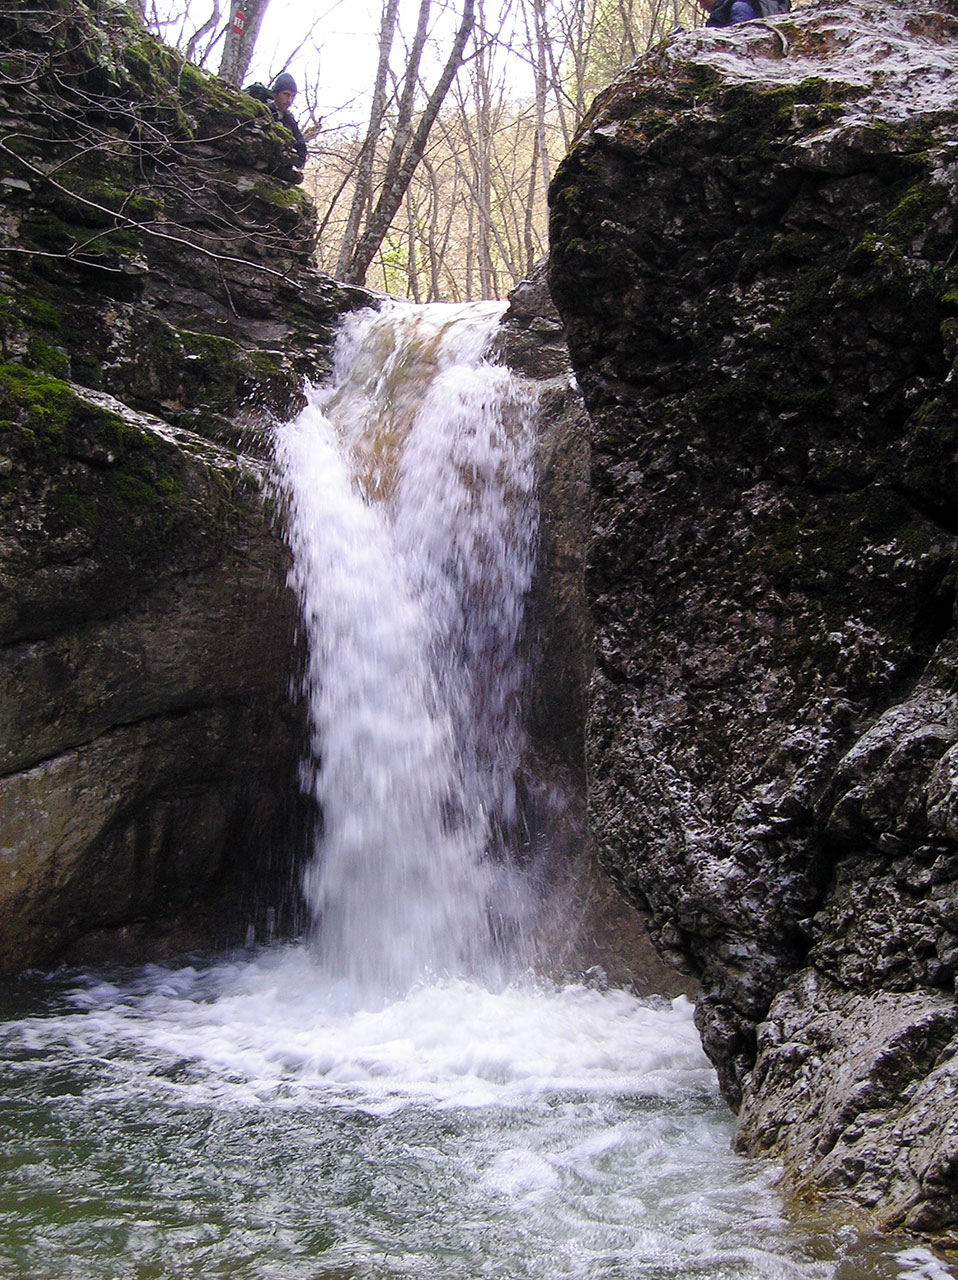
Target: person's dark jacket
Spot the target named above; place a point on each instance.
(723, 16)
(285, 118)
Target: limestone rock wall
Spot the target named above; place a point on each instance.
(754, 257)
(149, 741)
(158, 311)
(585, 924)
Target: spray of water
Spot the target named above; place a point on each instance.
(412, 524)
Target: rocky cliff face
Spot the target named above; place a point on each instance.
(157, 309)
(584, 923)
(754, 253)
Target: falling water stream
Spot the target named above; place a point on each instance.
(412, 525)
(397, 1095)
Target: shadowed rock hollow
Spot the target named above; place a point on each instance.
(754, 244)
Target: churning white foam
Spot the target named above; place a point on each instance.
(465, 1134)
(271, 1028)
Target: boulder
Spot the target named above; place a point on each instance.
(754, 259)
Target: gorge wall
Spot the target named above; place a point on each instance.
(157, 309)
(755, 253)
(585, 923)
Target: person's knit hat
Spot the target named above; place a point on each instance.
(284, 81)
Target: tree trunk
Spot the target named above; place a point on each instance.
(391, 195)
(528, 240)
(362, 192)
(245, 20)
(412, 220)
(536, 41)
(483, 191)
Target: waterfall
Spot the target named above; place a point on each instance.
(397, 1097)
(412, 527)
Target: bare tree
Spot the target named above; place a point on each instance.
(227, 34)
(408, 143)
(442, 194)
(362, 190)
(242, 32)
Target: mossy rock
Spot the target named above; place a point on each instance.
(164, 234)
(96, 505)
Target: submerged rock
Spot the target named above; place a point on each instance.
(754, 257)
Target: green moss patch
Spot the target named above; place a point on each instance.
(219, 374)
(39, 406)
(47, 358)
(84, 468)
(280, 197)
(97, 291)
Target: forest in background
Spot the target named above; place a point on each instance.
(437, 191)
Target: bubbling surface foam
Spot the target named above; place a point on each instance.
(274, 1028)
(238, 1120)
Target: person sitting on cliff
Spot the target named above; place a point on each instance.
(725, 13)
(279, 98)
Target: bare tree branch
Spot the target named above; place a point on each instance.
(391, 198)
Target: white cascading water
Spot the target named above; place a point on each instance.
(412, 526)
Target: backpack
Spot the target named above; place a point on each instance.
(721, 15)
(260, 92)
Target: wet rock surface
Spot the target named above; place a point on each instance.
(158, 311)
(854, 1092)
(753, 245)
(588, 925)
(149, 742)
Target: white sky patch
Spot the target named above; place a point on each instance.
(339, 49)
(339, 54)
